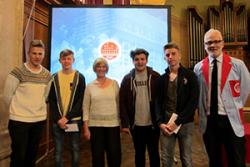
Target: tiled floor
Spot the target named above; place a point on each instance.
(199, 154)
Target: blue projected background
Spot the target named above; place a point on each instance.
(111, 32)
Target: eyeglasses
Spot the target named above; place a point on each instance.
(213, 42)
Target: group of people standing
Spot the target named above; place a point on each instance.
(150, 107)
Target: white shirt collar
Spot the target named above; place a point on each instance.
(35, 72)
(219, 58)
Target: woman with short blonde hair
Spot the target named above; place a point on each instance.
(101, 117)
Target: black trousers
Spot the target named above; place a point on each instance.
(146, 137)
(219, 133)
(25, 138)
(105, 140)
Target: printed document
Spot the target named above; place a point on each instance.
(172, 119)
(72, 128)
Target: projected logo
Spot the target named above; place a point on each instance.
(110, 50)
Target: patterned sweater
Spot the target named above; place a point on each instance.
(25, 93)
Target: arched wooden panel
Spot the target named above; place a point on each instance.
(241, 22)
(214, 18)
(231, 21)
(196, 33)
(228, 21)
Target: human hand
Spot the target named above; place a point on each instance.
(165, 129)
(62, 123)
(125, 130)
(86, 133)
(171, 126)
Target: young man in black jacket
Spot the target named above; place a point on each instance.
(65, 99)
(137, 94)
(176, 101)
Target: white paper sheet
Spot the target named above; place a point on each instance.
(72, 128)
(172, 119)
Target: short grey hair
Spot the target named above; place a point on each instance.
(99, 61)
(211, 31)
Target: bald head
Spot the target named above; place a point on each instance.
(212, 33)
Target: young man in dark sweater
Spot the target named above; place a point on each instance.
(176, 102)
(137, 94)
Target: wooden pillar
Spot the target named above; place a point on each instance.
(11, 29)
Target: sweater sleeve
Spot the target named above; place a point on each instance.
(159, 116)
(123, 104)
(86, 104)
(53, 106)
(47, 90)
(10, 87)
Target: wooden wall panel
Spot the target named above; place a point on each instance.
(179, 31)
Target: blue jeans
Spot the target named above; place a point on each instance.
(74, 139)
(184, 137)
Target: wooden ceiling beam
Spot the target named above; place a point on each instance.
(60, 2)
